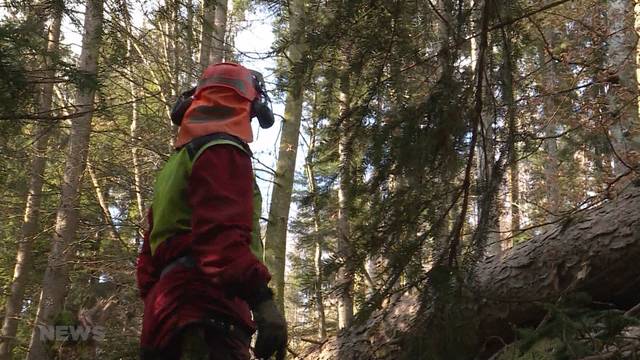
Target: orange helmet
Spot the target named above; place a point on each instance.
(226, 98)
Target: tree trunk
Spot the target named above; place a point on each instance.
(190, 45)
(346, 270)
(133, 128)
(34, 195)
(317, 258)
(276, 234)
(54, 284)
(509, 101)
(106, 215)
(635, 131)
(485, 151)
(208, 24)
(550, 112)
(219, 45)
(593, 251)
(625, 128)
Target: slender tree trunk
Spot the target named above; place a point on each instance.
(169, 40)
(55, 282)
(346, 271)
(486, 155)
(103, 204)
(635, 131)
(191, 44)
(176, 48)
(34, 194)
(317, 258)
(219, 45)
(208, 24)
(550, 110)
(276, 234)
(509, 101)
(133, 128)
(137, 169)
(552, 183)
(623, 103)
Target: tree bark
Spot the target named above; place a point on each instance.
(34, 194)
(623, 103)
(486, 154)
(593, 251)
(317, 258)
(208, 24)
(509, 100)
(346, 271)
(104, 207)
(190, 45)
(54, 284)
(276, 234)
(219, 45)
(134, 92)
(550, 111)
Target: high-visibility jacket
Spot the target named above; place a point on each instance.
(206, 206)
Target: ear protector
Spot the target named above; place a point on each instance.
(182, 104)
(260, 106)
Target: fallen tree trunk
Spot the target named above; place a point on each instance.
(594, 251)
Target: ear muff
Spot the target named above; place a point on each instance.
(262, 110)
(261, 105)
(182, 105)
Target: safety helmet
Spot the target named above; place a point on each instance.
(226, 98)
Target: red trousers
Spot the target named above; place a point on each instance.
(207, 344)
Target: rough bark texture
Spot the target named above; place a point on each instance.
(550, 112)
(512, 123)
(34, 195)
(594, 251)
(219, 44)
(625, 133)
(208, 24)
(276, 234)
(54, 284)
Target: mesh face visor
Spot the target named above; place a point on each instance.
(227, 97)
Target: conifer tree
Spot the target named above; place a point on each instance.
(55, 282)
(30, 224)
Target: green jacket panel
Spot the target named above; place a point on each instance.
(171, 212)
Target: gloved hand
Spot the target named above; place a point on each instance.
(272, 330)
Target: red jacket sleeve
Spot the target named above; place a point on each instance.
(146, 274)
(220, 194)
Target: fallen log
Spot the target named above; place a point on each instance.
(594, 251)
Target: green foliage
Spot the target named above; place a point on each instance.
(571, 330)
(17, 41)
(447, 309)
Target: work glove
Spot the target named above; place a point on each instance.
(272, 330)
